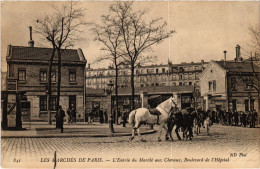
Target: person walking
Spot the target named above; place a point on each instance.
(59, 118)
(101, 116)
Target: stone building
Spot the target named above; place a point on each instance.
(28, 67)
(229, 85)
(158, 81)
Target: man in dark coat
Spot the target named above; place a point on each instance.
(244, 119)
(101, 116)
(59, 118)
(236, 118)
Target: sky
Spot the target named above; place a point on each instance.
(203, 29)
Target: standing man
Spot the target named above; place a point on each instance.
(59, 118)
(69, 115)
(255, 115)
(73, 113)
(236, 118)
(105, 115)
(101, 116)
(90, 117)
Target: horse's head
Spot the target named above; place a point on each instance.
(173, 104)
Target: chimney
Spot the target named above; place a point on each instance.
(225, 57)
(238, 54)
(89, 66)
(31, 42)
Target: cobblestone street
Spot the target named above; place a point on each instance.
(105, 151)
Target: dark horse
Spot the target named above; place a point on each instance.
(181, 118)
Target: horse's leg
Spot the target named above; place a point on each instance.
(160, 132)
(177, 132)
(166, 131)
(140, 136)
(133, 134)
(207, 127)
(170, 131)
(134, 130)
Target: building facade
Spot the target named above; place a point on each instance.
(232, 85)
(158, 81)
(28, 67)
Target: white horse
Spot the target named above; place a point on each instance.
(143, 115)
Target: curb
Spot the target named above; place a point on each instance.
(78, 135)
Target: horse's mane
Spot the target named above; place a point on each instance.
(165, 104)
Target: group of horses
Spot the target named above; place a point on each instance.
(167, 115)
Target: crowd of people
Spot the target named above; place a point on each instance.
(104, 118)
(236, 118)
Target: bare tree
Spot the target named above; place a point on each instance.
(61, 29)
(254, 43)
(138, 34)
(110, 36)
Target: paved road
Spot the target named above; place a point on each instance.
(118, 151)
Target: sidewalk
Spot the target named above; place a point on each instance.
(79, 129)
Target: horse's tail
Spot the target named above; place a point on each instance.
(131, 119)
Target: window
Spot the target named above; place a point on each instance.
(180, 77)
(197, 76)
(142, 85)
(233, 84)
(157, 71)
(163, 70)
(22, 75)
(72, 76)
(252, 103)
(184, 83)
(43, 103)
(214, 85)
(246, 105)
(210, 86)
(53, 103)
(180, 83)
(43, 75)
(190, 83)
(53, 76)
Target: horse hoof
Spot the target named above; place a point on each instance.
(143, 140)
(131, 138)
(166, 138)
(159, 140)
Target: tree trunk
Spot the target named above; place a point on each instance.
(59, 81)
(133, 86)
(116, 87)
(49, 85)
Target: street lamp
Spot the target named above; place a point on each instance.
(111, 85)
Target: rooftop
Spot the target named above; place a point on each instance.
(234, 66)
(43, 54)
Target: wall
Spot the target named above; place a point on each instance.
(34, 88)
(213, 72)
